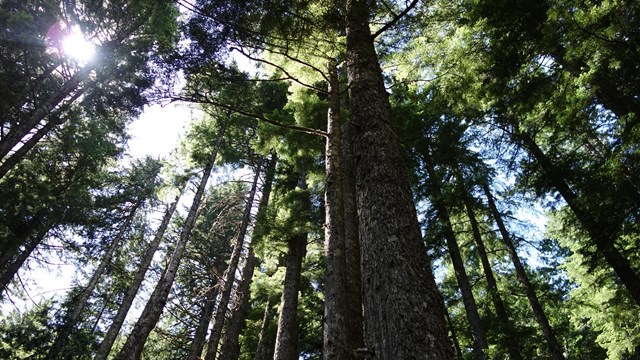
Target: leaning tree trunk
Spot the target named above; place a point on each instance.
(230, 273)
(286, 347)
(200, 336)
(404, 312)
(132, 348)
(116, 324)
(336, 344)
(230, 349)
(554, 346)
(470, 306)
(12, 264)
(79, 304)
(601, 235)
(510, 339)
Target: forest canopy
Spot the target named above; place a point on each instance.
(359, 180)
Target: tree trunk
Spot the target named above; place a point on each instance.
(79, 304)
(336, 344)
(195, 351)
(132, 349)
(543, 321)
(230, 345)
(20, 153)
(454, 337)
(13, 264)
(262, 348)
(116, 324)
(509, 337)
(601, 234)
(230, 273)
(470, 306)
(286, 347)
(230, 349)
(355, 329)
(404, 312)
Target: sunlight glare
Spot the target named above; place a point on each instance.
(77, 47)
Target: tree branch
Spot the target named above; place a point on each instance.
(205, 100)
(395, 19)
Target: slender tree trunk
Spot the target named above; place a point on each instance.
(470, 306)
(336, 344)
(404, 312)
(79, 304)
(200, 336)
(230, 349)
(12, 265)
(543, 321)
(262, 348)
(116, 324)
(454, 337)
(601, 234)
(230, 274)
(355, 328)
(134, 345)
(13, 138)
(286, 347)
(510, 340)
(20, 153)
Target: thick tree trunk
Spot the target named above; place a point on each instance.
(79, 304)
(601, 234)
(230, 273)
(134, 345)
(230, 349)
(286, 347)
(336, 344)
(510, 340)
(470, 306)
(543, 321)
(116, 324)
(404, 312)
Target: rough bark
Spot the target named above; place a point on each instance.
(355, 328)
(80, 302)
(336, 343)
(286, 347)
(404, 312)
(541, 317)
(132, 290)
(471, 308)
(134, 345)
(230, 273)
(511, 341)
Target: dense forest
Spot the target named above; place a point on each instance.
(360, 179)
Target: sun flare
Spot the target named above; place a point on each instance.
(77, 47)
